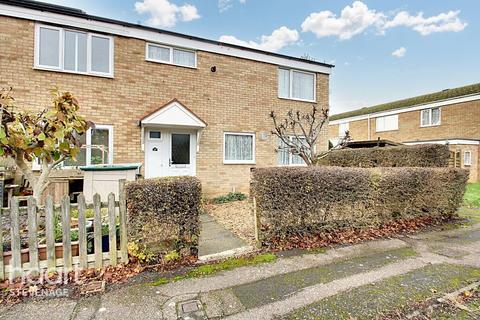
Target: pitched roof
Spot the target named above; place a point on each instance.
(73, 12)
(410, 102)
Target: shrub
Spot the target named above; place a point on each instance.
(232, 196)
(427, 155)
(295, 202)
(163, 215)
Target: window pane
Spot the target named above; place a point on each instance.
(82, 155)
(425, 117)
(100, 54)
(284, 83)
(238, 147)
(99, 147)
(155, 135)
(282, 154)
(436, 116)
(158, 53)
(380, 124)
(49, 47)
(467, 160)
(296, 159)
(184, 58)
(180, 148)
(75, 51)
(302, 87)
(342, 128)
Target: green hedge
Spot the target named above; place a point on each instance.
(295, 202)
(427, 155)
(163, 216)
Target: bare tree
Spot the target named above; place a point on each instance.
(299, 134)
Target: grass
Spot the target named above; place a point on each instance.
(472, 195)
(209, 269)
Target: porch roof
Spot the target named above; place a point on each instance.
(173, 114)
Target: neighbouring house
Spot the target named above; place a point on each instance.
(177, 104)
(450, 117)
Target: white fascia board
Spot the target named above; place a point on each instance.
(449, 141)
(440, 103)
(156, 37)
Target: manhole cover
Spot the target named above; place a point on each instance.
(190, 310)
(190, 306)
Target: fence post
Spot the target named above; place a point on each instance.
(32, 235)
(2, 267)
(112, 230)
(82, 232)
(15, 233)
(97, 230)
(50, 233)
(256, 222)
(66, 234)
(122, 209)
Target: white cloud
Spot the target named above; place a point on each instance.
(358, 18)
(224, 5)
(444, 22)
(400, 52)
(353, 20)
(163, 13)
(279, 39)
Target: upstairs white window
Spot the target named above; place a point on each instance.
(387, 123)
(295, 84)
(97, 147)
(343, 128)
(68, 50)
(467, 158)
(286, 157)
(239, 148)
(430, 117)
(170, 55)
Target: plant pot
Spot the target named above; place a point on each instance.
(42, 253)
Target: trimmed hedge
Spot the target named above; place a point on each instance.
(294, 202)
(163, 216)
(427, 155)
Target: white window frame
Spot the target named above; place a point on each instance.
(290, 97)
(290, 156)
(385, 130)
(154, 139)
(61, 50)
(170, 62)
(239, 161)
(469, 163)
(430, 117)
(347, 126)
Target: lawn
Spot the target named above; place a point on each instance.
(472, 195)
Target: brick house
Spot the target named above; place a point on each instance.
(178, 104)
(450, 116)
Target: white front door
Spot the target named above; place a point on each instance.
(170, 152)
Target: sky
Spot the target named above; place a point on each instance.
(382, 50)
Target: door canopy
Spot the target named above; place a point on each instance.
(173, 114)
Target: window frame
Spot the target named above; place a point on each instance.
(347, 125)
(154, 139)
(290, 97)
(252, 134)
(430, 113)
(171, 49)
(465, 163)
(383, 117)
(61, 67)
(290, 156)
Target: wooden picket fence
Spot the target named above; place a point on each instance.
(70, 259)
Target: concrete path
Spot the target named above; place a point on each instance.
(347, 282)
(216, 241)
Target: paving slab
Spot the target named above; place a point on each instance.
(215, 238)
(367, 301)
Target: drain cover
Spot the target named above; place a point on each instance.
(190, 306)
(190, 310)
